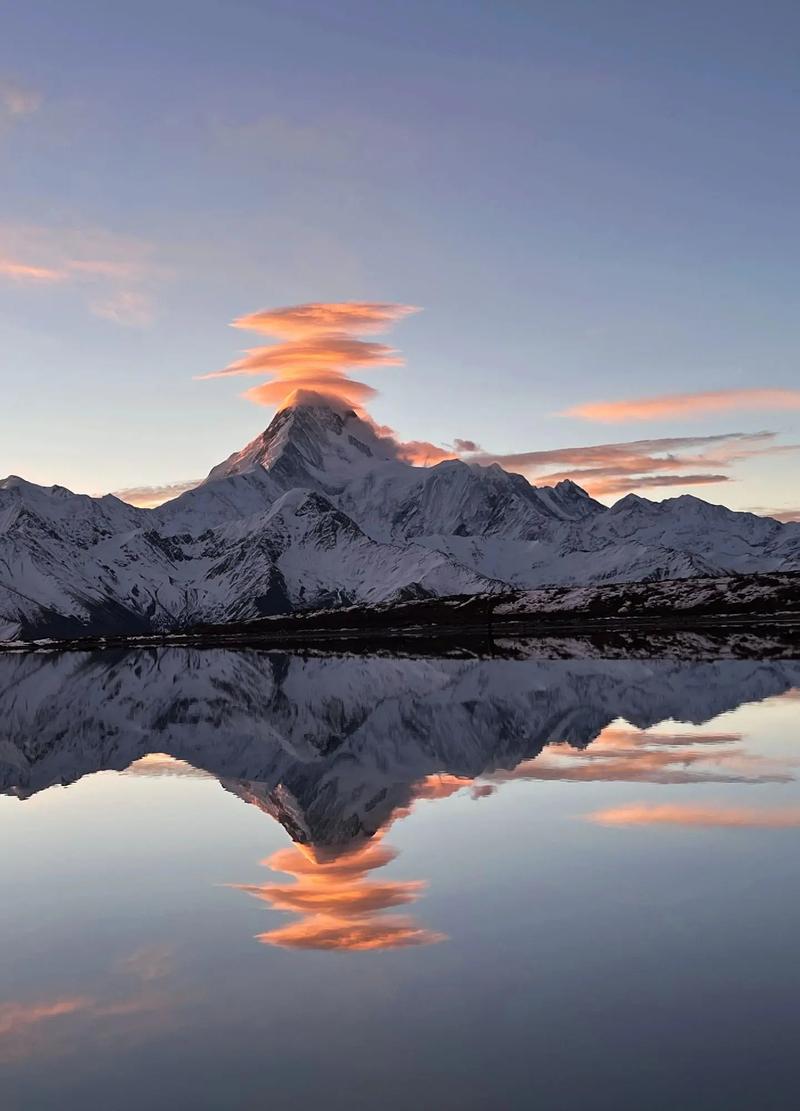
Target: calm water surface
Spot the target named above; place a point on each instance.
(249, 880)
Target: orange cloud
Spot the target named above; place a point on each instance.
(340, 907)
(115, 270)
(353, 935)
(615, 738)
(632, 756)
(15, 1018)
(687, 404)
(319, 345)
(299, 321)
(324, 354)
(743, 817)
(26, 272)
(617, 468)
(335, 386)
(422, 453)
(56, 1025)
(440, 786)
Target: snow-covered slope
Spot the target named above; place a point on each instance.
(321, 510)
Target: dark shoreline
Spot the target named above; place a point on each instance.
(760, 611)
(765, 637)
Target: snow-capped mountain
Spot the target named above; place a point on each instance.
(321, 510)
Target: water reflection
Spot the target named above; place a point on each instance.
(336, 749)
(742, 817)
(135, 1003)
(638, 756)
(340, 907)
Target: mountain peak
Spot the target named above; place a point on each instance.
(315, 441)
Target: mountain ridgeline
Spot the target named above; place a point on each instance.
(318, 512)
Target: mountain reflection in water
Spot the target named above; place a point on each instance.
(338, 748)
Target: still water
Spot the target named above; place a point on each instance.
(236, 879)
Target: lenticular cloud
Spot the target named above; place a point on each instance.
(319, 345)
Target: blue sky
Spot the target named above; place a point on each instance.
(591, 202)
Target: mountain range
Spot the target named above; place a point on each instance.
(321, 511)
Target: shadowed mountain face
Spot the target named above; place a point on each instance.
(334, 747)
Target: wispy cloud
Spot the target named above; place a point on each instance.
(117, 272)
(622, 484)
(733, 817)
(130, 308)
(26, 272)
(325, 317)
(639, 756)
(785, 515)
(148, 497)
(687, 404)
(616, 468)
(16, 100)
(49, 1027)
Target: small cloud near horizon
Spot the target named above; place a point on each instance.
(708, 815)
(686, 404)
(620, 468)
(785, 516)
(149, 497)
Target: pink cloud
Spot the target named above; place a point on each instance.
(325, 317)
(784, 515)
(319, 344)
(27, 272)
(742, 817)
(621, 467)
(116, 272)
(687, 404)
(339, 907)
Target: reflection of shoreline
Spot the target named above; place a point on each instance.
(340, 908)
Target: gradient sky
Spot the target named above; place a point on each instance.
(591, 202)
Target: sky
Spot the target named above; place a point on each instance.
(591, 205)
